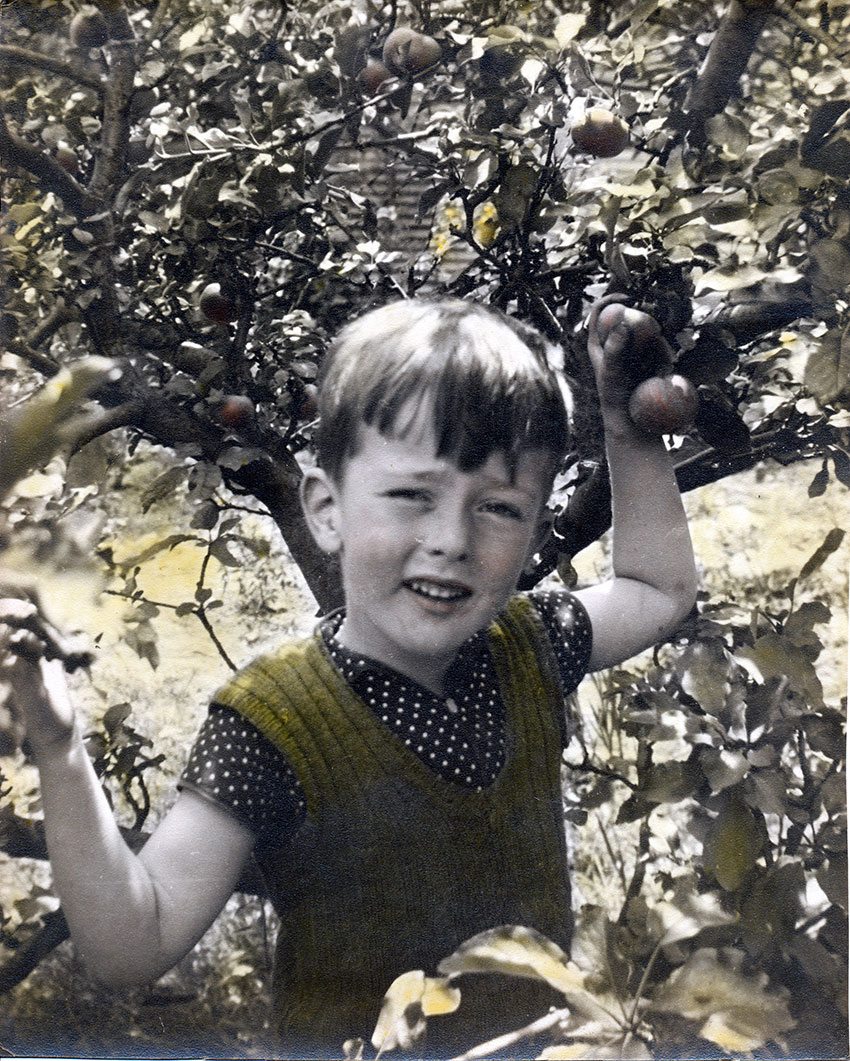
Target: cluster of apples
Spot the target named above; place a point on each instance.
(663, 402)
(220, 304)
(406, 53)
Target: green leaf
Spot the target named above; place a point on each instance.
(703, 670)
(830, 543)
(818, 485)
(827, 372)
(734, 842)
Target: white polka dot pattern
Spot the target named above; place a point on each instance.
(460, 736)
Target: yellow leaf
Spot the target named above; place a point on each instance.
(736, 1010)
(401, 1021)
(515, 951)
(438, 997)
(567, 28)
(411, 998)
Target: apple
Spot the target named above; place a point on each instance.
(307, 403)
(236, 411)
(138, 152)
(67, 159)
(89, 30)
(373, 75)
(600, 132)
(642, 328)
(217, 306)
(406, 51)
(664, 405)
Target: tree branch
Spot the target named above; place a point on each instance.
(727, 59)
(19, 153)
(109, 160)
(13, 54)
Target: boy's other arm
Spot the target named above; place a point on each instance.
(653, 586)
(131, 916)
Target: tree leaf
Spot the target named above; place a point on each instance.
(818, 485)
(822, 121)
(703, 670)
(827, 372)
(515, 951)
(687, 914)
(830, 543)
(737, 1012)
(411, 997)
(841, 463)
(733, 845)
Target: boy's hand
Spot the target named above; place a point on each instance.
(625, 347)
(38, 705)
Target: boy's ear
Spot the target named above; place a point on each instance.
(319, 502)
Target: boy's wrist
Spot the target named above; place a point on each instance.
(60, 746)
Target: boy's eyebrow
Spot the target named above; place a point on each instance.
(430, 475)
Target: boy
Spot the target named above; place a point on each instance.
(397, 775)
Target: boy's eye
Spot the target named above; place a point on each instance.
(503, 508)
(407, 494)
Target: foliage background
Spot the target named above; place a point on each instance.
(231, 145)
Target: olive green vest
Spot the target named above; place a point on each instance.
(394, 866)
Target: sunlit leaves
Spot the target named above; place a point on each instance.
(515, 951)
(736, 1009)
(412, 997)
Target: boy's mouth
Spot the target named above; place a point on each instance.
(438, 591)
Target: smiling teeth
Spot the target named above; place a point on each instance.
(429, 589)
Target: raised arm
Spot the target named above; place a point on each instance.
(131, 916)
(653, 586)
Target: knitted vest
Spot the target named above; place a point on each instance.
(395, 866)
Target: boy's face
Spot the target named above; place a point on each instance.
(429, 554)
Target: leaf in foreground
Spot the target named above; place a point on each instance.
(515, 951)
(411, 998)
(736, 1011)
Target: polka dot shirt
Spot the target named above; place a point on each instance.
(461, 736)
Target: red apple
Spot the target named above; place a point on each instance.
(307, 403)
(406, 51)
(89, 30)
(217, 306)
(67, 159)
(664, 405)
(373, 75)
(601, 133)
(237, 411)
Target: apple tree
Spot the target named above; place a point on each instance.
(197, 196)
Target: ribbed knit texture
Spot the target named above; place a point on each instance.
(395, 866)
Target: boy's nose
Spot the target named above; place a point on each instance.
(448, 535)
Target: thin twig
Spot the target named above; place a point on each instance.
(557, 1016)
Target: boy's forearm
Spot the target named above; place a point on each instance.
(651, 542)
(107, 896)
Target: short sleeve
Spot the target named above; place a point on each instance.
(568, 626)
(234, 765)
